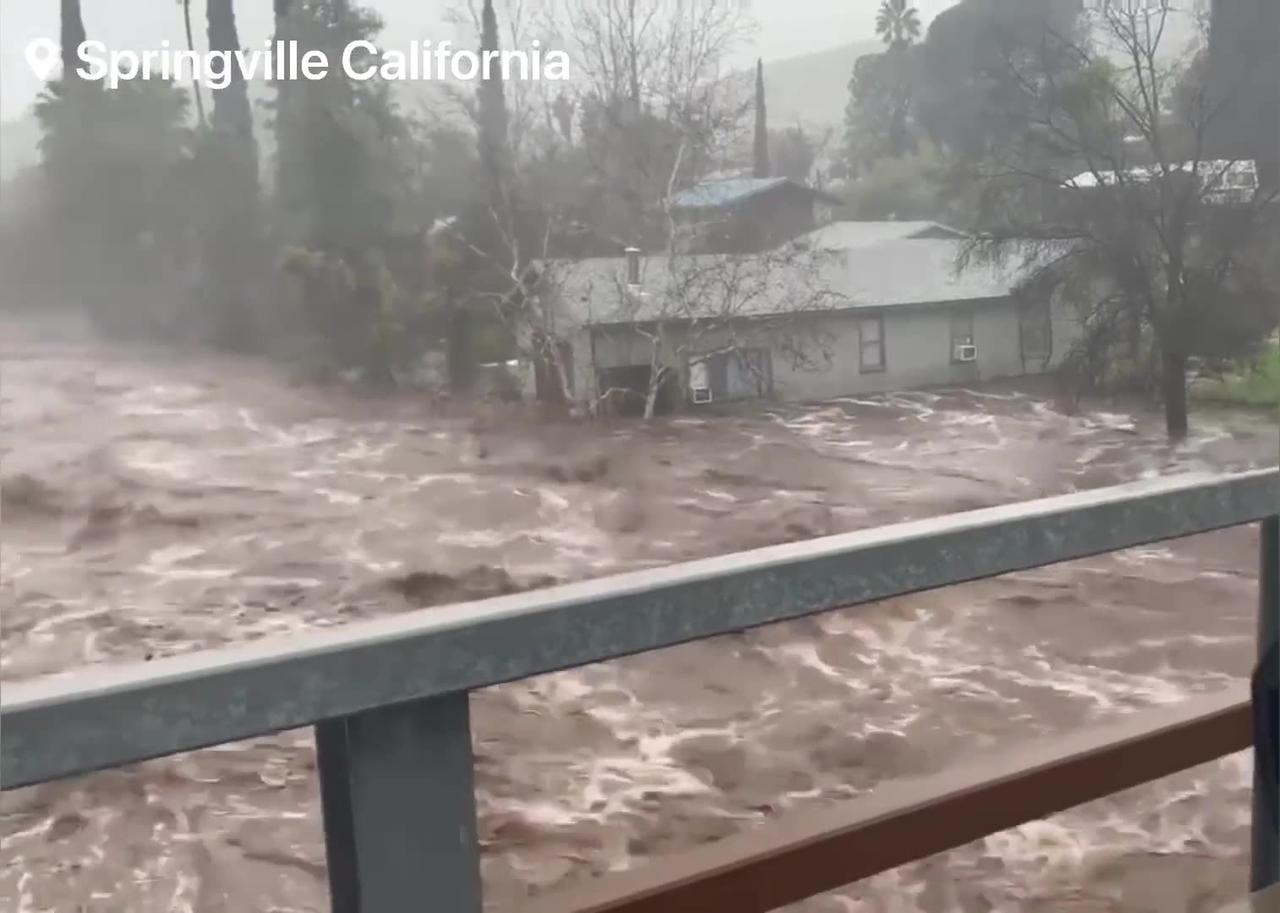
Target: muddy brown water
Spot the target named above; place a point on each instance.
(159, 502)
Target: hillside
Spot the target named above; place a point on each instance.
(812, 88)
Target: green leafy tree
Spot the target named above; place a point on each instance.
(794, 153)
(984, 65)
(893, 189)
(116, 205)
(347, 198)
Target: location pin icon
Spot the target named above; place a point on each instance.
(42, 57)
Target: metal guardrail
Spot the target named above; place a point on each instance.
(388, 697)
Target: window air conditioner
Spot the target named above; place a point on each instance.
(965, 353)
(701, 394)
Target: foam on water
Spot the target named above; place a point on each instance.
(294, 518)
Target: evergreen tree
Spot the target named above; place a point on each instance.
(492, 113)
(72, 35)
(232, 248)
(760, 159)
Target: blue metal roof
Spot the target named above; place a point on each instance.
(723, 193)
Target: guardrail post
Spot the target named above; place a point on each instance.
(1266, 846)
(396, 784)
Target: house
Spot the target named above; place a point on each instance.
(744, 215)
(1243, 72)
(1221, 181)
(797, 324)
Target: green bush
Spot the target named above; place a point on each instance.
(1255, 383)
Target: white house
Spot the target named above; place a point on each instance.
(852, 308)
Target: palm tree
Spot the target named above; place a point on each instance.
(897, 23)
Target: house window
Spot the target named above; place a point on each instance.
(871, 344)
(963, 347)
(738, 374)
(1035, 330)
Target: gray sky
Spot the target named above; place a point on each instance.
(787, 28)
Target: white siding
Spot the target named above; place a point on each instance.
(917, 347)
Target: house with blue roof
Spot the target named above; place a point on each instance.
(746, 215)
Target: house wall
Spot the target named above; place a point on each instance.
(917, 348)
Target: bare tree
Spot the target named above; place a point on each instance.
(709, 305)
(691, 308)
(649, 102)
(1108, 193)
(653, 80)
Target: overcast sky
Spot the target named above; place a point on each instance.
(787, 28)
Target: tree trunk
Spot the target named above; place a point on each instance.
(1174, 389)
(191, 46)
(233, 250)
(651, 398)
(72, 35)
(283, 94)
(458, 349)
(232, 112)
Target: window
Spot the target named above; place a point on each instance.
(871, 344)
(738, 374)
(963, 348)
(1035, 330)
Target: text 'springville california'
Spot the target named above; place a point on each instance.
(286, 61)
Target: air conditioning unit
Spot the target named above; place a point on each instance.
(965, 353)
(701, 394)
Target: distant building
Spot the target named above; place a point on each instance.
(1244, 81)
(744, 215)
(1221, 181)
(899, 316)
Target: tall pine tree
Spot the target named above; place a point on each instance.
(72, 36)
(760, 166)
(232, 247)
(491, 112)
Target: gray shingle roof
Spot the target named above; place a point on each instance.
(711, 194)
(886, 274)
(843, 235)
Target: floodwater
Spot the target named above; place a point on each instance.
(158, 502)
